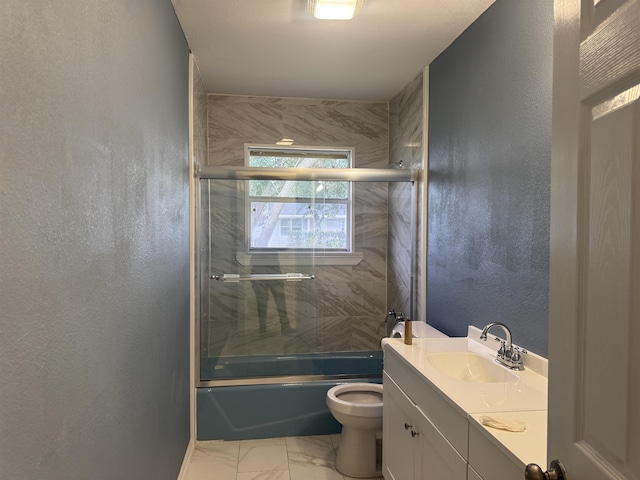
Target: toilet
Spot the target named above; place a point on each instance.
(358, 407)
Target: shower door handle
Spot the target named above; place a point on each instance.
(287, 277)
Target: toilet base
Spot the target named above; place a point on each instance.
(357, 453)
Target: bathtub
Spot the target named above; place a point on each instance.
(294, 406)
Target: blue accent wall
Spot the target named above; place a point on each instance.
(94, 240)
(489, 175)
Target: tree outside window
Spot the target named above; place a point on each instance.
(299, 215)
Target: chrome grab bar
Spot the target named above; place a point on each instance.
(287, 277)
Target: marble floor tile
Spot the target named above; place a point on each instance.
(262, 455)
(210, 471)
(217, 451)
(214, 460)
(263, 441)
(301, 471)
(268, 475)
(291, 458)
(311, 450)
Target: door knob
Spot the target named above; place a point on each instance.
(556, 472)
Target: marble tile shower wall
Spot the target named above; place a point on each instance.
(405, 144)
(343, 308)
(200, 154)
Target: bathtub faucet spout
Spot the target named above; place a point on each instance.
(396, 317)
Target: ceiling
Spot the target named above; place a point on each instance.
(275, 48)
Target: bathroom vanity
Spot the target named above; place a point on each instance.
(436, 393)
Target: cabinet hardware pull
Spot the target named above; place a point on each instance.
(414, 433)
(407, 426)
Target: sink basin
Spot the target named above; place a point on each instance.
(470, 367)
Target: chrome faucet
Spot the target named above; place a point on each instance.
(508, 355)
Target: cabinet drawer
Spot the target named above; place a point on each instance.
(489, 460)
(445, 417)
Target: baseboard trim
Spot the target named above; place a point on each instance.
(186, 461)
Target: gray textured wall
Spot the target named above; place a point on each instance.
(94, 316)
(489, 174)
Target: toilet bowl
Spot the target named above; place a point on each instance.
(358, 407)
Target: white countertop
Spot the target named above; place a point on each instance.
(523, 399)
(525, 447)
(527, 392)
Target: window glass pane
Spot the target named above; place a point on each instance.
(280, 188)
(299, 214)
(298, 159)
(285, 226)
(294, 189)
(302, 225)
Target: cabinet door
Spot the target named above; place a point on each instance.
(436, 458)
(490, 460)
(397, 443)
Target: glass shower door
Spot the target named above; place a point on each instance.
(270, 310)
(257, 305)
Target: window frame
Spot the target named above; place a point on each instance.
(349, 217)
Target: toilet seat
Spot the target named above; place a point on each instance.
(357, 399)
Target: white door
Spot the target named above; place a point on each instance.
(594, 312)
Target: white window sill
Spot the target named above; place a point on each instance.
(290, 258)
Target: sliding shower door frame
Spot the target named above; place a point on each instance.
(208, 172)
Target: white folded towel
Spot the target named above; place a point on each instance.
(501, 424)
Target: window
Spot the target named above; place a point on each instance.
(287, 215)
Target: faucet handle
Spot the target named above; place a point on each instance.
(390, 313)
(502, 352)
(516, 358)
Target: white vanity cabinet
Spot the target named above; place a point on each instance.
(432, 425)
(500, 454)
(401, 425)
(489, 461)
(413, 446)
(424, 437)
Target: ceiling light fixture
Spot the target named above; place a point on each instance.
(334, 9)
